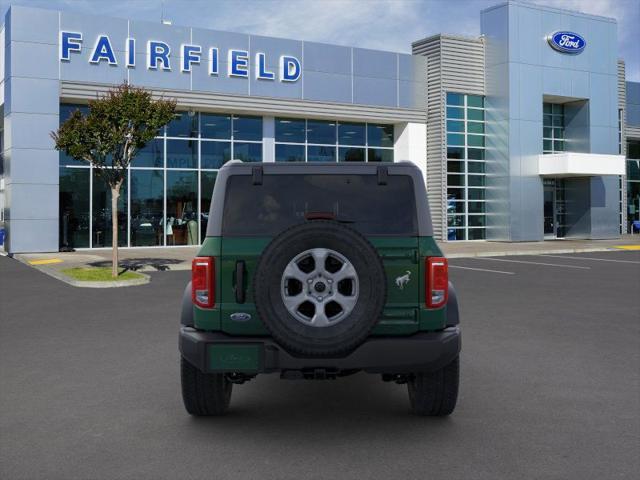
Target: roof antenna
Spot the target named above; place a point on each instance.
(162, 19)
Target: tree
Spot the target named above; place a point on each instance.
(117, 126)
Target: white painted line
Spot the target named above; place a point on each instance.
(591, 258)
(532, 263)
(481, 270)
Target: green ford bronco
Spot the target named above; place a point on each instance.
(318, 271)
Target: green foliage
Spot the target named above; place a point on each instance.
(117, 126)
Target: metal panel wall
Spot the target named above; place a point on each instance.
(329, 73)
(521, 69)
(622, 112)
(30, 114)
(454, 64)
(632, 109)
(79, 91)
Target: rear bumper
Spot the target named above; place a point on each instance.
(218, 352)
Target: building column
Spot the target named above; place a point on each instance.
(411, 144)
(268, 139)
(31, 113)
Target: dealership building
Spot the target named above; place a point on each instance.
(525, 133)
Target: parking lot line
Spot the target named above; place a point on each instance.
(481, 270)
(591, 258)
(531, 263)
(46, 261)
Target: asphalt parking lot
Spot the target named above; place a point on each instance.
(89, 386)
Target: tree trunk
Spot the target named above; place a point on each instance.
(115, 193)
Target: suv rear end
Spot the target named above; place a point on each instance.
(319, 271)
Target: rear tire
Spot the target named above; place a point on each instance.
(435, 394)
(204, 394)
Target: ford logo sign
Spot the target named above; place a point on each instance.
(567, 42)
(240, 317)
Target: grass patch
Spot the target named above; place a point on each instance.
(99, 274)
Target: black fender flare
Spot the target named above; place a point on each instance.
(453, 314)
(186, 312)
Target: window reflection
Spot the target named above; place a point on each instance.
(380, 155)
(151, 155)
(184, 124)
(182, 154)
(182, 198)
(74, 208)
(320, 153)
(101, 216)
(380, 135)
(215, 126)
(147, 207)
(351, 133)
(465, 166)
(320, 131)
(207, 182)
(247, 152)
(289, 153)
(351, 154)
(290, 130)
(214, 154)
(247, 128)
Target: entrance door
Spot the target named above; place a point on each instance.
(554, 208)
(549, 208)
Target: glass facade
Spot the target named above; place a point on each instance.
(166, 197)
(552, 128)
(300, 140)
(633, 184)
(465, 122)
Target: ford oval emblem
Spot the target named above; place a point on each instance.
(240, 317)
(567, 42)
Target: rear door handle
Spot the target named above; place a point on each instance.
(240, 291)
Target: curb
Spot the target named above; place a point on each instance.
(178, 267)
(85, 284)
(530, 252)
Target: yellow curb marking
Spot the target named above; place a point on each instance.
(628, 247)
(47, 261)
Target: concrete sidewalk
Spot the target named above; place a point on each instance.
(498, 249)
(179, 258)
(138, 259)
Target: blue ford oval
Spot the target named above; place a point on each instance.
(567, 42)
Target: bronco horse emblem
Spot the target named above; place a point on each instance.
(402, 280)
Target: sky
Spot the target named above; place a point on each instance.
(378, 24)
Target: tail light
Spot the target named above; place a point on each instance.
(202, 282)
(437, 281)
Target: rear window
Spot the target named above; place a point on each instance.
(286, 200)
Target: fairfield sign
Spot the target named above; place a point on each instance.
(159, 56)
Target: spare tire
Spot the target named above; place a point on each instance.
(320, 288)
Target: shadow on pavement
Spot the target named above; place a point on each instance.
(134, 264)
(360, 407)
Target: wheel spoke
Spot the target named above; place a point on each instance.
(319, 257)
(293, 271)
(319, 319)
(292, 302)
(346, 271)
(346, 302)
